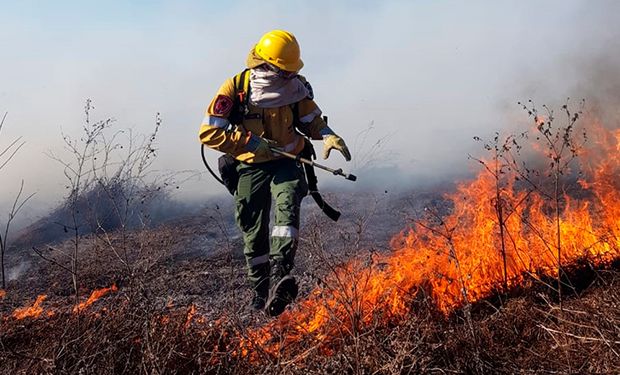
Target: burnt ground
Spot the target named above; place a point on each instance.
(196, 263)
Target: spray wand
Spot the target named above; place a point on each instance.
(298, 158)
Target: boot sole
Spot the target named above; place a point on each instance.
(281, 295)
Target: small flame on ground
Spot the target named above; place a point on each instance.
(94, 296)
(190, 315)
(33, 311)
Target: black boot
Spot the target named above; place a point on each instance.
(283, 290)
(261, 292)
(258, 302)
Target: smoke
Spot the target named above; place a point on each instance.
(585, 68)
(601, 84)
(427, 75)
(14, 273)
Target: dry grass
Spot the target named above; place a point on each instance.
(135, 334)
(182, 315)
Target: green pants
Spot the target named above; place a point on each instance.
(284, 180)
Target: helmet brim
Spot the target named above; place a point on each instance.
(254, 60)
(296, 67)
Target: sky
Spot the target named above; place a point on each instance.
(421, 77)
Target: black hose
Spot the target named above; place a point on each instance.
(204, 160)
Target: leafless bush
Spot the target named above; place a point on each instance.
(511, 170)
(111, 189)
(369, 149)
(18, 203)
(562, 146)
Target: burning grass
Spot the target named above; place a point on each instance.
(95, 295)
(514, 278)
(33, 311)
(455, 260)
(131, 334)
(37, 310)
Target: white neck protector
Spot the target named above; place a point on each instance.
(270, 90)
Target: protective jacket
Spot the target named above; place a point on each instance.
(277, 124)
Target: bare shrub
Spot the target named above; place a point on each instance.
(18, 203)
(111, 190)
(511, 168)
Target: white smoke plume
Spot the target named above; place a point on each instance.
(427, 75)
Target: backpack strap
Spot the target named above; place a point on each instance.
(240, 109)
(241, 81)
(242, 86)
(295, 109)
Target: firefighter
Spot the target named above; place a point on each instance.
(268, 105)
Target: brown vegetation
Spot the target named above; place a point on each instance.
(514, 271)
(191, 317)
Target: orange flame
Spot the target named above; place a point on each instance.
(191, 312)
(33, 311)
(94, 296)
(460, 261)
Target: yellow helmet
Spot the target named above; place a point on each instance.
(280, 48)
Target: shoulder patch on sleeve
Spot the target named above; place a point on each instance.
(223, 105)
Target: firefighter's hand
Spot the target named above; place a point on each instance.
(263, 150)
(333, 141)
(259, 146)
